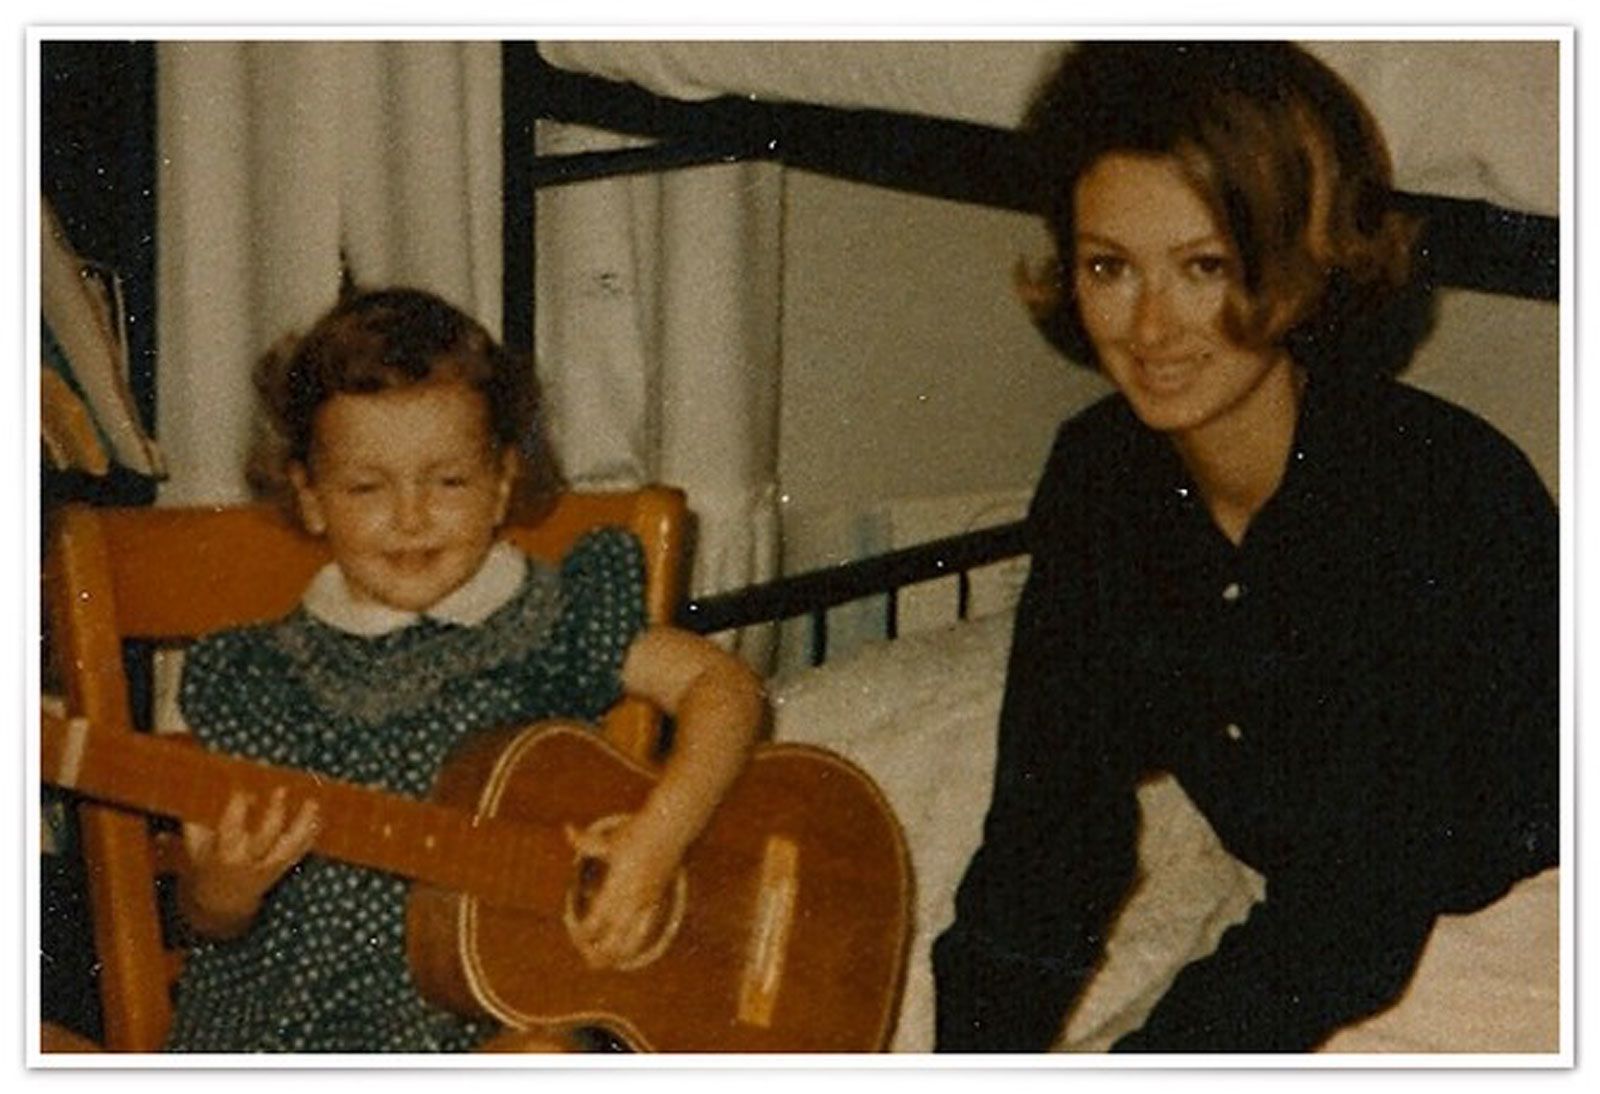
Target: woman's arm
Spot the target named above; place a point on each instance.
(1057, 857)
(1318, 954)
(1059, 840)
(717, 706)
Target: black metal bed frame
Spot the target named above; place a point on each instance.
(813, 593)
(1468, 244)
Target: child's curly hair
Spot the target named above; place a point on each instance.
(386, 339)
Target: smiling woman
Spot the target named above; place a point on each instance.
(1153, 277)
(1325, 602)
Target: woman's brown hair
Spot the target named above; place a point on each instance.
(1291, 164)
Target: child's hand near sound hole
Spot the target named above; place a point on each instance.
(625, 871)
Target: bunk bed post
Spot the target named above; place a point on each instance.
(518, 246)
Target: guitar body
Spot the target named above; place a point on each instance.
(786, 930)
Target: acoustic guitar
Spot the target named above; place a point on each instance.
(785, 930)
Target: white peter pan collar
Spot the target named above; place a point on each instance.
(328, 597)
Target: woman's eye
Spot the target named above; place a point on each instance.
(362, 488)
(455, 482)
(1209, 267)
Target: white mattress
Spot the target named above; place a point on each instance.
(1470, 119)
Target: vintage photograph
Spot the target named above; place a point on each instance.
(938, 546)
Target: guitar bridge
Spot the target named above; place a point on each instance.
(776, 894)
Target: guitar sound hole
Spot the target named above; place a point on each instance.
(588, 876)
(591, 874)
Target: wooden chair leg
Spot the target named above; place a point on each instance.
(54, 1038)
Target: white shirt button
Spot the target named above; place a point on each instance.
(1232, 591)
(1233, 732)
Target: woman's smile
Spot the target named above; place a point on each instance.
(1168, 376)
(1153, 273)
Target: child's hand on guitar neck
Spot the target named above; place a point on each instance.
(639, 862)
(231, 867)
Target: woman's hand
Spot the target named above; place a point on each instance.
(231, 866)
(640, 860)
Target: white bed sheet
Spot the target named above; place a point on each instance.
(1469, 119)
(919, 715)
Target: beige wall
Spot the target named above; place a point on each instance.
(908, 366)
(1501, 358)
(910, 370)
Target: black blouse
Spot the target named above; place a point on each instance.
(1362, 698)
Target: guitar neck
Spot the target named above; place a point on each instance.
(517, 865)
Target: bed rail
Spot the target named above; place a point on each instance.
(938, 157)
(814, 592)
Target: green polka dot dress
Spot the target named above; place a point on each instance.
(323, 969)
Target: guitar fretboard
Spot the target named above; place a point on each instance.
(515, 864)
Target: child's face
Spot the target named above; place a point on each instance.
(409, 489)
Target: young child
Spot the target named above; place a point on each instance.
(399, 418)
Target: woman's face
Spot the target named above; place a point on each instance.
(408, 487)
(1152, 273)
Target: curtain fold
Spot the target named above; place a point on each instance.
(281, 162)
(721, 287)
(658, 345)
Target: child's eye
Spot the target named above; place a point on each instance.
(455, 482)
(362, 487)
(1101, 267)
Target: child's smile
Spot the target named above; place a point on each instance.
(409, 490)
(414, 561)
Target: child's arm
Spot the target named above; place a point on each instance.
(229, 868)
(717, 705)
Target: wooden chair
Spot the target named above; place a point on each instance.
(169, 575)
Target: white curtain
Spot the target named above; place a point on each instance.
(278, 158)
(658, 341)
